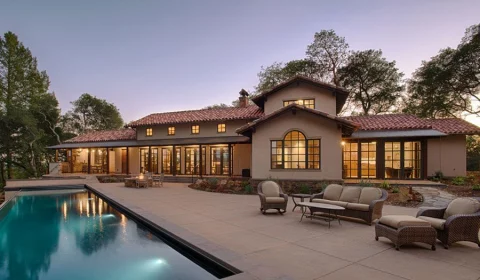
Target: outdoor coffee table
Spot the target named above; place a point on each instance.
(302, 196)
(331, 210)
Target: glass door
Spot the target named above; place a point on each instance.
(178, 160)
(219, 163)
(154, 168)
(368, 159)
(192, 160)
(412, 160)
(403, 160)
(393, 166)
(350, 160)
(166, 161)
(143, 160)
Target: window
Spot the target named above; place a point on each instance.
(149, 131)
(221, 128)
(309, 103)
(171, 130)
(195, 129)
(295, 151)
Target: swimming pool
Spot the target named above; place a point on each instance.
(77, 235)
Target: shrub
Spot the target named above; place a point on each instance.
(305, 189)
(458, 181)
(212, 182)
(248, 189)
(365, 183)
(395, 190)
(438, 175)
(476, 187)
(385, 185)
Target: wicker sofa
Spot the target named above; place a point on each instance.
(272, 197)
(361, 203)
(459, 221)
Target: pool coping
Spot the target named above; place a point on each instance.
(178, 243)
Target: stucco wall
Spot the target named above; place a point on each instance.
(447, 154)
(207, 129)
(324, 100)
(242, 158)
(313, 127)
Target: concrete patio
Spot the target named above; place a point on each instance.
(232, 228)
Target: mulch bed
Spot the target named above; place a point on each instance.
(2, 197)
(404, 198)
(465, 190)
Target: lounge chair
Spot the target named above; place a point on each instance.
(459, 221)
(272, 197)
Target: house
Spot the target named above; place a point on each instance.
(291, 132)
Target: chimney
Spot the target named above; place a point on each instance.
(243, 99)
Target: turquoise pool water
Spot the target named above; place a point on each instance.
(76, 235)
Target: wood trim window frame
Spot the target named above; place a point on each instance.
(149, 132)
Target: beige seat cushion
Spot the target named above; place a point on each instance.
(436, 223)
(398, 221)
(332, 202)
(274, 199)
(333, 192)
(270, 189)
(358, 206)
(369, 194)
(464, 205)
(350, 194)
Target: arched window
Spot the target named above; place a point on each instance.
(295, 151)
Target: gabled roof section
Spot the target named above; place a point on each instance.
(204, 115)
(341, 93)
(347, 126)
(104, 136)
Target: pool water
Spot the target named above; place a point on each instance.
(76, 235)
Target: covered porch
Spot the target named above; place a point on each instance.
(232, 158)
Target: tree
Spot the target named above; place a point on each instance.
(374, 83)
(446, 85)
(279, 72)
(217, 106)
(91, 113)
(473, 153)
(26, 108)
(330, 52)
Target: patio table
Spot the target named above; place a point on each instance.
(324, 208)
(302, 197)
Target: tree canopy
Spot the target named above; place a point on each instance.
(446, 85)
(375, 84)
(91, 113)
(28, 111)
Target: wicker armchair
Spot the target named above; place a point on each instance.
(460, 221)
(272, 197)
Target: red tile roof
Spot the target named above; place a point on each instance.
(389, 122)
(203, 115)
(409, 122)
(105, 135)
(454, 126)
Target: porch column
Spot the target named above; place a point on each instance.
(88, 161)
(127, 161)
(149, 158)
(200, 168)
(174, 161)
(108, 161)
(56, 155)
(229, 160)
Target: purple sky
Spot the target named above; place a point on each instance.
(153, 56)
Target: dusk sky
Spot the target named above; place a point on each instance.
(156, 56)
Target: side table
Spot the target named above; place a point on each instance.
(302, 197)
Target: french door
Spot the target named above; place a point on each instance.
(192, 160)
